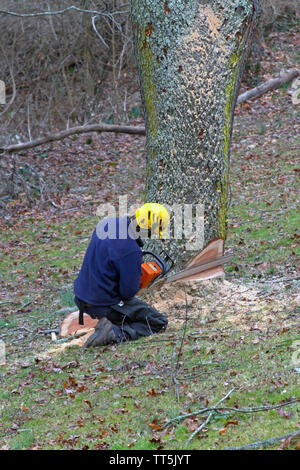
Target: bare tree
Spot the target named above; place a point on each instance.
(55, 58)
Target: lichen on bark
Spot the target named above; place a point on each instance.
(190, 57)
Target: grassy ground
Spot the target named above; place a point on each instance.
(239, 335)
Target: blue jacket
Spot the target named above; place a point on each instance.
(111, 269)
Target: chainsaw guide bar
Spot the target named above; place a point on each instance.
(207, 264)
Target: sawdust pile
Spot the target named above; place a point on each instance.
(226, 304)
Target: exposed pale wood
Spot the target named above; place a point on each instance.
(197, 269)
(70, 325)
(213, 249)
(62, 347)
(204, 276)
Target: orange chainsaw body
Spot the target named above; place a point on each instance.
(157, 267)
(150, 271)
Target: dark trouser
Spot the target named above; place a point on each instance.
(131, 318)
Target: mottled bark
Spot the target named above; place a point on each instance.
(190, 56)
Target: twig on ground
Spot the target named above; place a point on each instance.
(282, 279)
(46, 332)
(24, 328)
(24, 305)
(208, 418)
(268, 442)
(65, 310)
(55, 205)
(76, 335)
(230, 409)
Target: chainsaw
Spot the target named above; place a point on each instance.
(207, 264)
(156, 268)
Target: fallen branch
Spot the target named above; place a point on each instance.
(272, 84)
(283, 279)
(24, 328)
(76, 335)
(74, 130)
(208, 418)
(47, 332)
(268, 442)
(64, 310)
(230, 410)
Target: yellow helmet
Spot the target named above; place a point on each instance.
(153, 216)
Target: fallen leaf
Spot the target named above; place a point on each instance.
(155, 426)
(284, 414)
(234, 423)
(70, 392)
(155, 439)
(286, 443)
(222, 431)
(255, 341)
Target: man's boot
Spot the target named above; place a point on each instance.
(104, 334)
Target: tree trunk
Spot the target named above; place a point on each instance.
(190, 56)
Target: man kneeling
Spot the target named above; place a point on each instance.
(110, 278)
